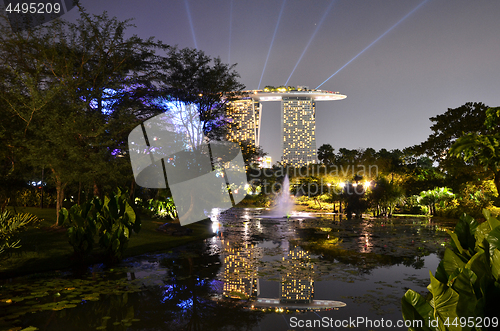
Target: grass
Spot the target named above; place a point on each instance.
(46, 248)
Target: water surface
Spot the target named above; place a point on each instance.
(367, 264)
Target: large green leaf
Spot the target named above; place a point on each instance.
(463, 284)
(451, 262)
(130, 212)
(494, 238)
(63, 215)
(416, 308)
(495, 264)
(75, 214)
(480, 264)
(116, 245)
(444, 301)
(112, 207)
(465, 230)
(456, 241)
(493, 222)
(441, 274)
(481, 232)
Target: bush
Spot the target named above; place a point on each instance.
(161, 208)
(113, 221)
(116, 219)
(476, 197)
(10, 225)
(32, 197)
(83, 226)
(466, 285)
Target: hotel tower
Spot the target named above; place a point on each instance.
(298, 120)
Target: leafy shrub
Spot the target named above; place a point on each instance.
(32, 197)
(161, 208)
(10, 225)
(83, 226)
(439, 195)
(466, 285)
(476, 197)
(117, 219)
(112, 220)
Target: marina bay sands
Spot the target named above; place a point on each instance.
(298, 120)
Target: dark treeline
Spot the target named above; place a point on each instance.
(455, 171)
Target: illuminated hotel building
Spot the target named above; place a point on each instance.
(245, 113)
(297, 284)
(298, 126)
(298, 120)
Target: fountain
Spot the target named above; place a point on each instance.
(284, 203)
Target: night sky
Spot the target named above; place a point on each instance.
(439, 54)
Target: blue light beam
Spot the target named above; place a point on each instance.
(311, 39)
(373, 42)
(191, 23)
(230, 31)
(272, 42)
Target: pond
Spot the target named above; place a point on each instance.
(256, 273)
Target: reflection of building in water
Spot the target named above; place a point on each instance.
(240, 270)
(297, 284)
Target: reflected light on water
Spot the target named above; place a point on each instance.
(215, 227)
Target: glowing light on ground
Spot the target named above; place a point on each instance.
(272, 42)
(373, 42)
(311, 39)
(191, 23)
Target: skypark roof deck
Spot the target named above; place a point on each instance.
(316, 95)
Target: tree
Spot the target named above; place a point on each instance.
(348, 156)
(420, 174)
(390, 162)
(326, 154)
(383, 196)
(450, 126)
(192, 77)
(484, 147)
(71, 93)
(311, 187)
(431, 197)
(251, 154)
(354, 196)
(447, 128)
(74, 91)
